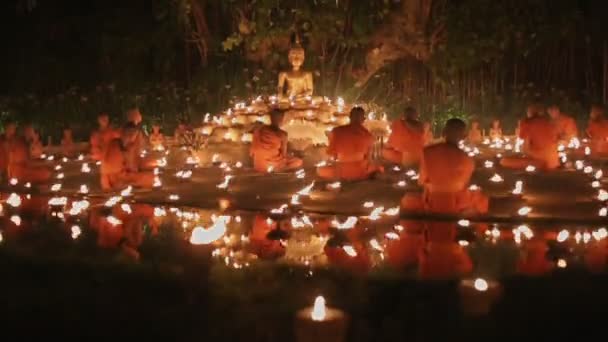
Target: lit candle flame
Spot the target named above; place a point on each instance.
(496, 178)
(350, 251)
(602, 195)
(563, 235)
(480, 285)
(202, 236)
(518, 188)
(319, 311)
(85, 167)
(75, 232)
(113, 221)
(306, 190)
(16, 219)
(14, 200)
(523, 211)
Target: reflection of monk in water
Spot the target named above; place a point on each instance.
(541, 137)
(269, 147)
(351, 147)
(445, 173)
(100, 138)
(406, 141)
(597, 130)
(6, 139)
(119, 167)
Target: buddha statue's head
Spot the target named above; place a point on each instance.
(296, 57)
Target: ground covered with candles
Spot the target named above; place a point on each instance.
(216, 241)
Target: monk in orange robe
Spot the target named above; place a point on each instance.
(119, 167)
(445, 173)
(134, 116)
(68, 148)
(6, 139)
(100, 139)
(474, 136)
(351, 146)
(269, 147)
(597, 130)
(404, 145)
(157, 139)
(33, 140)
(541, 139)
(566, 126)
(495, 130)
(20, 164)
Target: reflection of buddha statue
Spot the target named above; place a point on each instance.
(299, 83)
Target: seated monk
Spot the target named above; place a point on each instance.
(351, 147)
(597, 130)
(6, 139)
(33, 140)
(157, 139)
(428, 133)
(495, 130)
(404, 145)
(101, 137)
(20, 164)
(68, 148)
(566, 126)
(474, 136)
(134, 116)
(179, 132)
(445, 173)
(541, 139)
(119, 166)
(269, 147)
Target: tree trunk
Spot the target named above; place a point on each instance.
(405, 33)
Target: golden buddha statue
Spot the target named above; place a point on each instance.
(299, 83)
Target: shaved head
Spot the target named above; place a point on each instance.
(357, 115)
(410, 113)
(454, 130)
(276, 117)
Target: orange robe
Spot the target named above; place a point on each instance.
(350, 145)
(4, 148)
(566, 127)
(541, 138)
(157, 141)
(597, 130)
(19, 164)
(445, 173)
(475, 136)
(495, 134)
(100, 139)
(118, 168)
(405, 143)
(35, 148)
(260, 244)
(68, 148)
(442, 260)
(268, 150)
(533, 261)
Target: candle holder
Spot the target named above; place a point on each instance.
(320, 323)
(477, 296)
